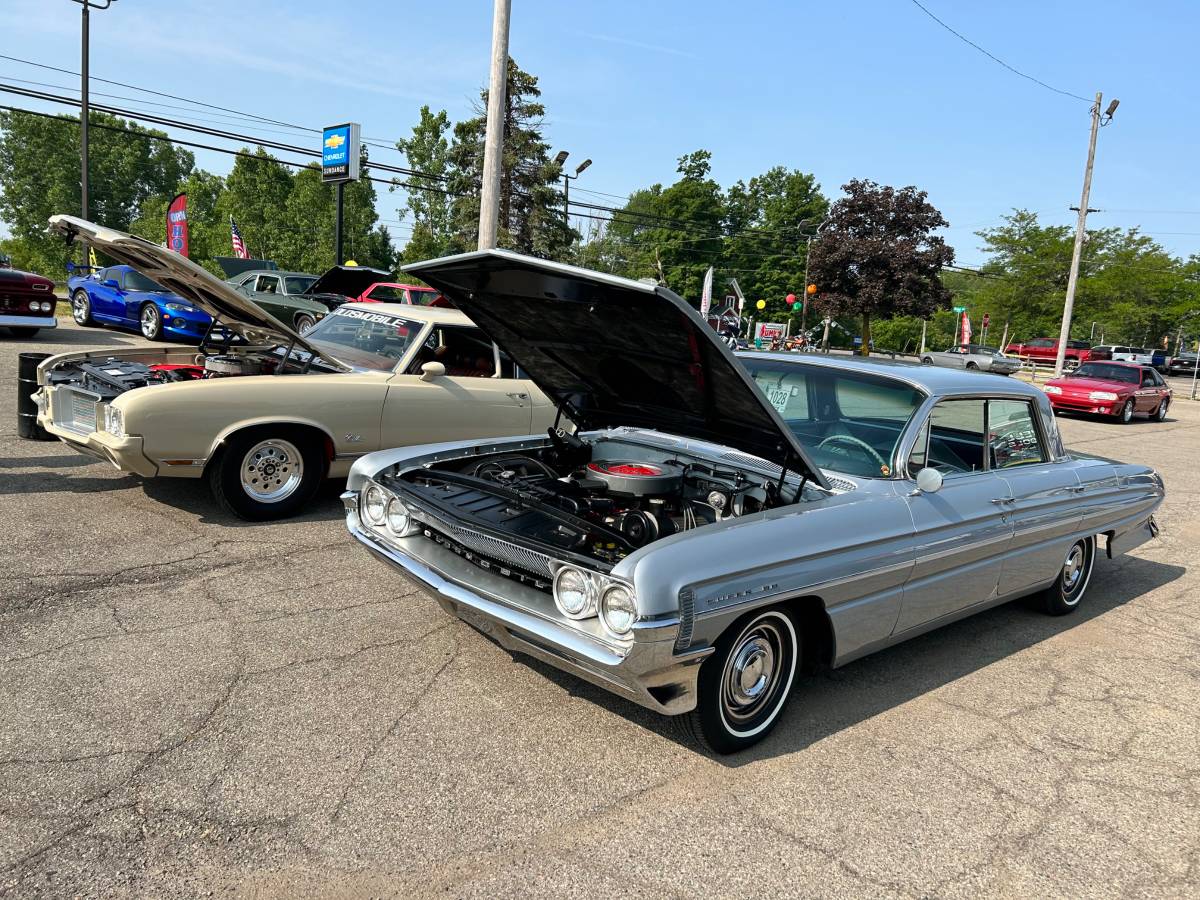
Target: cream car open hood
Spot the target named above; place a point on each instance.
(181, 276)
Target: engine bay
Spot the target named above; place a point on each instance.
(602, 502)
(111, 376)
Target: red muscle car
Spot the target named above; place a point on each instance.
(393, 292)
(26, 302)
(1046, 350)
(1113, 389)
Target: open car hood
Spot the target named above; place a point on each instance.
(181, 276)
(611, 352)
(348, 281)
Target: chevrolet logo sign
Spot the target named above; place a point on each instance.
(334, 141)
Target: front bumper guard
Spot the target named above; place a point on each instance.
(648, 672)
(10, 321)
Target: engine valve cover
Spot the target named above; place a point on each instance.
(636, 478)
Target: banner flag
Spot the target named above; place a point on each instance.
(706, 293)
(966, 329)
(177, 225)
(92, 261)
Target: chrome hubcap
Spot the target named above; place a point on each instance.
(1073, 568)
(752, 672)
(149, 320)
(306, 325)
(272, 470)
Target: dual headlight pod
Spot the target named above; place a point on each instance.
(40, 306)
(1102, 395)
(582, 595)
(381, 508)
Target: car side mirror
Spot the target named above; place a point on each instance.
(432, 370)
(110, 283)
(929, 481)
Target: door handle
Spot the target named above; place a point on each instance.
(1077, 489)
(1001, 500)
(519, 397)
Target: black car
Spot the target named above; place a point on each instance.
(1183, 364)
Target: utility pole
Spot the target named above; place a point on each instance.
(493, 145)
(1064, 333)
(83, 101)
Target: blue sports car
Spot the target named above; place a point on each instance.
(122, 296)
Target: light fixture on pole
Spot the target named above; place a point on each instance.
(559, 159)
(83, 101)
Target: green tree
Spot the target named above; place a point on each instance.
(878, 256)
(428, 203)
(39, 176)
(531, 216)
(257, 193)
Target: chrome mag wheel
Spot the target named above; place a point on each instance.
(272, 470)
(151, 321)
(1127, 412)
(758, 673)
(81, 308)
(1077, 569)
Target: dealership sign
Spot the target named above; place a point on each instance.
(339, 152)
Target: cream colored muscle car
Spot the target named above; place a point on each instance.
(264, 413)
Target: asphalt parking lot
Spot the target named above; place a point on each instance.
(191, 704)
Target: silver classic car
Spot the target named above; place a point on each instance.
(973, 356)
(699, 528)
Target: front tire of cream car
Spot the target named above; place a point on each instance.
(267, 473)
(744, 685)
(1068, 589)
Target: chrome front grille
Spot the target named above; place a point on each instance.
(518, 557)
(75, 408)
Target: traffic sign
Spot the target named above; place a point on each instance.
(960, 309)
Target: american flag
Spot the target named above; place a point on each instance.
(239, 246)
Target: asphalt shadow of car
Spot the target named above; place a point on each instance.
(97, 338)
(192, 495)
(825, 703)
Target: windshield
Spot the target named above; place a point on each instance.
(136, 281)
(298, 284)
(386, 293)
(1107, 372)
(847, 421)
(368, 340)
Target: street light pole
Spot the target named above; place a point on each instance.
(83, 101)
(1064, 333)
(493, 145)
(567, 179)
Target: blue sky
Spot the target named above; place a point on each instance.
(858, 88)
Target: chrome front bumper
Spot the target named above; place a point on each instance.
(648, 671)
(10, 321)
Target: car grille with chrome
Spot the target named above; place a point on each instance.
(75, 409)
(488, 562)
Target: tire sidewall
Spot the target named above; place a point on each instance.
(1160, 414)
(1126, 415)
(1057, 601)
(717, 733)
(225, 474)
(301, 320)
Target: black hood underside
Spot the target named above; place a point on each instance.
(612, 352)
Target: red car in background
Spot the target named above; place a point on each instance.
(411, 294)
(1046, 350)
(1116, 389)
(26, 302)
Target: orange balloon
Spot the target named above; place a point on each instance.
(812, 289)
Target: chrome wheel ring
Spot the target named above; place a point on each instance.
(1076, 571)
(1127, 411)
(272, 470)
(305, 324)
(80, 307)
(149, 321)
(758, 673)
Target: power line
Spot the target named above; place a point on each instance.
(994, 58)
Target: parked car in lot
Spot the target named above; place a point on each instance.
(713, 526)
(1183, 364)
(285, 295)
(122, 296)
(265, 414)
(27, 302)
(1117, 389)
(395, 292)
(1122, 353)
(974, 357)
(1045, 350)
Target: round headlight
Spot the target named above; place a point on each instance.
(47, 306)
(618, 610)
(398, 519)
(574, 593)
(375, 500)
(35, 305)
